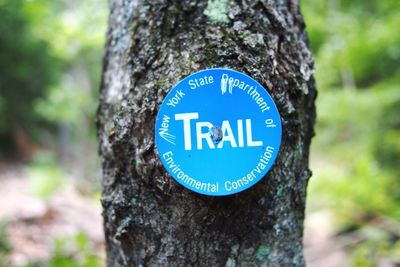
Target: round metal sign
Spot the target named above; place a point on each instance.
(218, 132)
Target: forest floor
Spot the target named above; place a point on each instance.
(34, 225)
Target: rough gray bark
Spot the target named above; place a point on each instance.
(149, 219)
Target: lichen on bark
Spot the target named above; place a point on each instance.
(149, 219)
(216, 11)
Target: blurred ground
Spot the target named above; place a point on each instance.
(34, 223)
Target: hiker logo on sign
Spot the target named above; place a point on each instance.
(218, 132)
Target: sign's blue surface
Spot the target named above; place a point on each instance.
(218, 132)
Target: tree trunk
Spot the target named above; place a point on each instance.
(151, 220)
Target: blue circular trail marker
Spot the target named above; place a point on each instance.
(218, 132)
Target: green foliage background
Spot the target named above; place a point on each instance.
(357, 147)
(27, 67)
(356, 151)
(50, 68)
(50, 61)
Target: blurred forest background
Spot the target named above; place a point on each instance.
(50, 66)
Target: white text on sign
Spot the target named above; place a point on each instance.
(227, 133)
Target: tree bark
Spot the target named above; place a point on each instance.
(151, 220)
